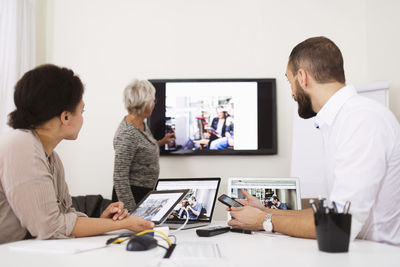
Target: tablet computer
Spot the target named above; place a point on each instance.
(156, 206)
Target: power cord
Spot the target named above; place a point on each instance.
(183, 225)
(127, 236)
(169, 251)
(156, 231)
(173, 237)
(119, 239)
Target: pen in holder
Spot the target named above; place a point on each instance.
(333, 231)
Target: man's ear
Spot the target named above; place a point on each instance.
(303, 78)
(64, 117)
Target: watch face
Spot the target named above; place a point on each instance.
(267, 225)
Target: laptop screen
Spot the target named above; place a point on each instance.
(200, 200)
(274, 193)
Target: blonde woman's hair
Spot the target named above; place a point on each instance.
(138, 95)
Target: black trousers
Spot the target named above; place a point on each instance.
(138, 193)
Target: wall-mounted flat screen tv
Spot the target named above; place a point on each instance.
(216, 116)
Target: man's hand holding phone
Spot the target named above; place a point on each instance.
(244, 216)
(247, 217)
(250, 200)
(230, 202)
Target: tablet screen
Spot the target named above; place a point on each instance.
(157, 205)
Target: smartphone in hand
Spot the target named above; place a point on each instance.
(230, 202)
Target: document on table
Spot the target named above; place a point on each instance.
(196, 250)
(275, 234)
(58, 246)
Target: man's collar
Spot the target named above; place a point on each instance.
(327, 114)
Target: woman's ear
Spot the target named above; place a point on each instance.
(64, 117)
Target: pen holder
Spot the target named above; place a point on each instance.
(333, 231)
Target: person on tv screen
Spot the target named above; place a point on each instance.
(180, 212)
(194, 208)
(136, 162)
(226, 141)
(218, 125)
(34, 197)
(362, 151)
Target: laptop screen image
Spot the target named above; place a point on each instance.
(274, 193)
(199, 202)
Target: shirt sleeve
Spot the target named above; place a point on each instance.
(198, 207)
(360, 165)
(32, 196)
(125, 149)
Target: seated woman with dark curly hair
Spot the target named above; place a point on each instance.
(34, 197)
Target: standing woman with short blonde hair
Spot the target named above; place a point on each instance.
(136, 163)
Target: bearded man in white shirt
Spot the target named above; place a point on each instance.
(362, 150)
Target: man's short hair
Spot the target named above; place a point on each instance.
(275, 198)
(193, 198)
(138, 95)
(320, 57)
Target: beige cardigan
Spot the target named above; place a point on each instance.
(34, 198)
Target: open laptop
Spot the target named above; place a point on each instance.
(201, 199)
(279, 193)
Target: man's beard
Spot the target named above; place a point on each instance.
(304, 102)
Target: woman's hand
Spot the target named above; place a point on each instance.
(137, 224)
(115, 211)
(169, 137)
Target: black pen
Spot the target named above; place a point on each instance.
(314, 208)
(321, 204)
(326, 209)
(346, 207)
(334, 207)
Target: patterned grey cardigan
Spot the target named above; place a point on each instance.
(136, 161)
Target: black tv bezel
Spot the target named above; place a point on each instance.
(155, 117)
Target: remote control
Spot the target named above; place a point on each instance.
(237, 230)
(212, 231)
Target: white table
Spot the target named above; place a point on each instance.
(237, 249)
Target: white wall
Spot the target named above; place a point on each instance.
(383, 47)
(110, 42)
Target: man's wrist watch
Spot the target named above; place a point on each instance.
(267, 224)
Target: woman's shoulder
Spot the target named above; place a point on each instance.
(17, 139)
(126, 131)
(127, 128)
(20, 145)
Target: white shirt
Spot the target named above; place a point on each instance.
(220, 125)
(362, 149)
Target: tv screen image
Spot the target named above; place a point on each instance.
(216, 116)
